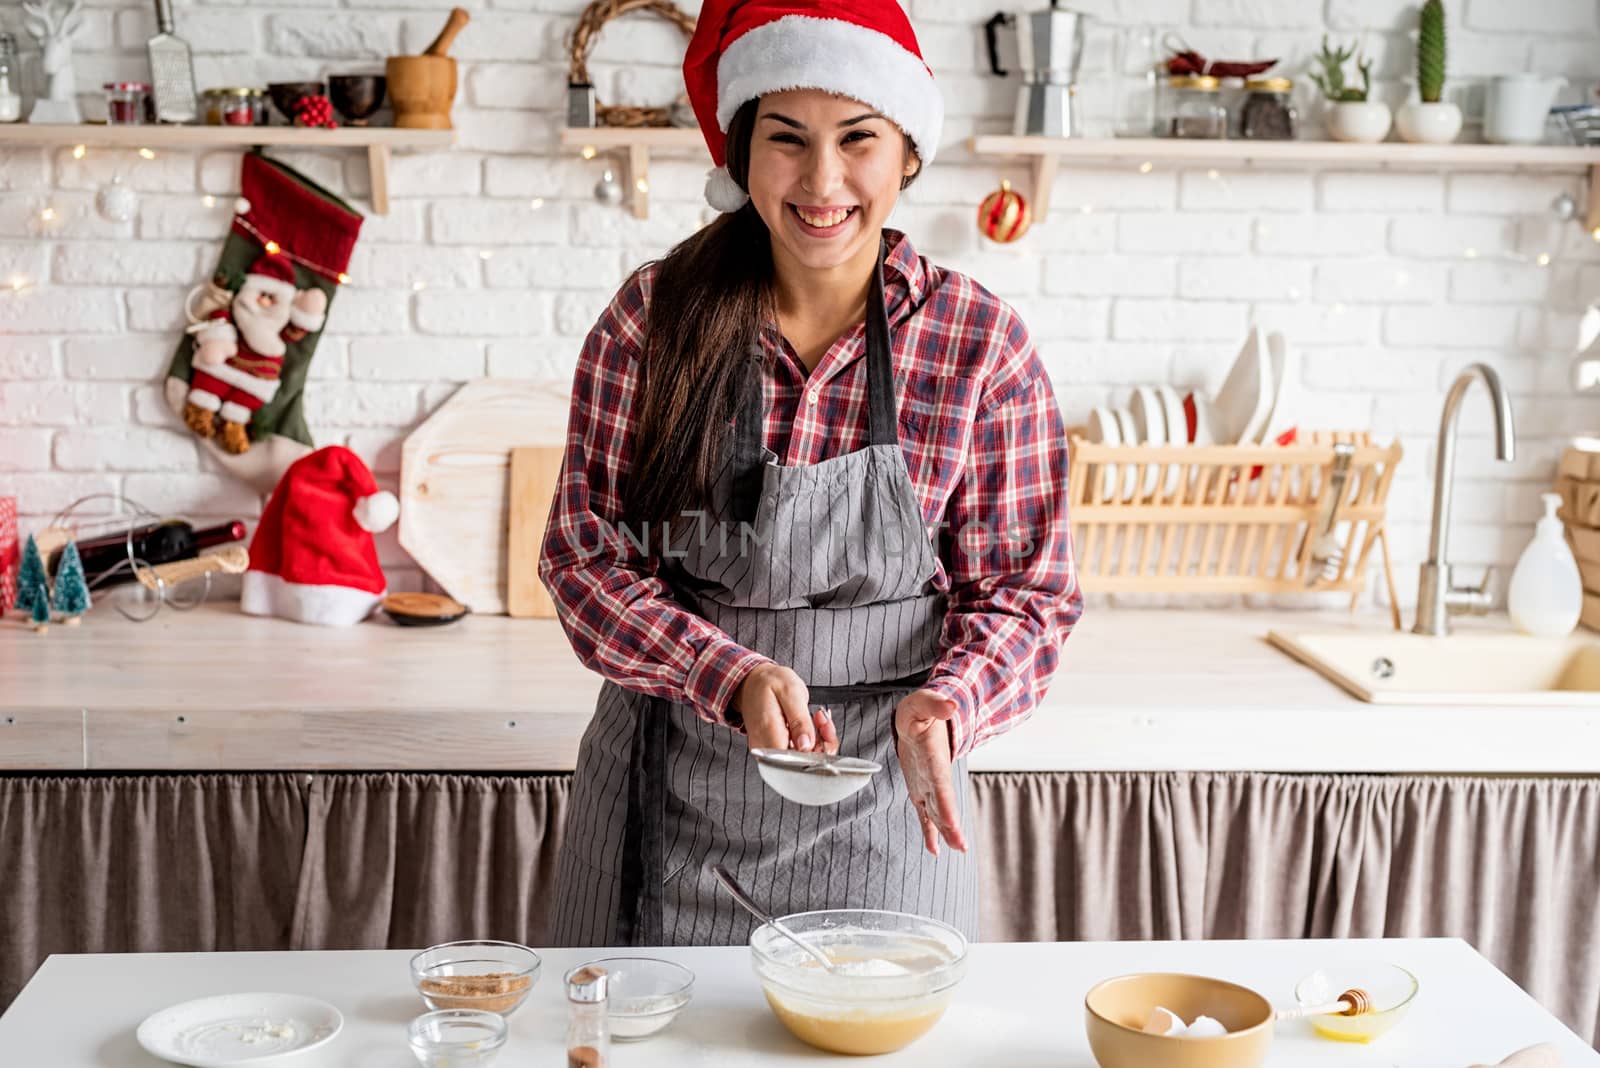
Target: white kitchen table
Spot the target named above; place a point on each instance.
(1021, 1006)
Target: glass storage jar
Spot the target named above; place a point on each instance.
(1269, 113)
(125, 103)
(238, 107)
(1197, 110)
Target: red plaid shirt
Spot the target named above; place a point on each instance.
(984, 443)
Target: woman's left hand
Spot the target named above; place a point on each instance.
(923, 741)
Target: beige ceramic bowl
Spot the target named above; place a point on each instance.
(1115, 1012)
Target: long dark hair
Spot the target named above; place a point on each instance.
(711, 297)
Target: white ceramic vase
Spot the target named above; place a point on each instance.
(1429, 124)
(1362, 121)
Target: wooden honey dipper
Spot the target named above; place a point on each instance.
(1353, 1002)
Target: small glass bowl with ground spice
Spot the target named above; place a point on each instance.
(486, 975)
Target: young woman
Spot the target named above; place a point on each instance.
(813, 497)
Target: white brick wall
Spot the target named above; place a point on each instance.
(1387, 283)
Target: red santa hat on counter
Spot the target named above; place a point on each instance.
(862, 49)
(312, 559)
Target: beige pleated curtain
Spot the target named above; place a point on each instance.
(280, 861)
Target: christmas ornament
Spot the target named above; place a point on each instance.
(116, 202)
(608, 190)
(312, 559)
(238, 375)
(1004, 215)
(313, 110)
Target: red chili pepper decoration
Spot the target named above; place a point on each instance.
(314, 111)
(1191, 62)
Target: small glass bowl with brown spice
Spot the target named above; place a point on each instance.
(485, 975)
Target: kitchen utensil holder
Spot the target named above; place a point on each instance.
(1224, 518)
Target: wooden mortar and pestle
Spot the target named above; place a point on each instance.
(423, 88)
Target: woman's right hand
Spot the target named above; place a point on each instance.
(773, 702)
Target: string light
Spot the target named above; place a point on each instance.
(1087, 209)
(47, 214)
(1146, 167)
(641, 185)
(145, 153)
(486, 253)
(1544, 259)
(273, 248)
(1212, 174)
(1595, 233)
(18, 283)
(588, 152)
(78, 151)
(536, 203)
(418, 286)
(343, 279)
(209, 201)
(1471, 253)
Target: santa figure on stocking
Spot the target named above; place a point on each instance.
(239, 350)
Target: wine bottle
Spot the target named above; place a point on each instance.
(105, 558)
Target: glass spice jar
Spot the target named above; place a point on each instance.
(10, 80)
(238, 107)
(1197, 109)
(211, 107)
(258, 107)
(125, 103)
(588, 1018)
(1269, 113)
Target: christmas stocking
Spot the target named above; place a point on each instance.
(239, 373)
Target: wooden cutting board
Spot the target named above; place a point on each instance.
(455, 483)
(535, 472)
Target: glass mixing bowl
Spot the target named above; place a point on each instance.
(900, 972)
(1391, 986)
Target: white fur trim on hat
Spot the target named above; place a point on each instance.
(263, 594)
(377, 512)
(722, 192)
(804, 52)
(276, 286)
(308, 321)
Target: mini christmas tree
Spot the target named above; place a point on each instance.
(31, 580)
(71, 597)
(39, 612)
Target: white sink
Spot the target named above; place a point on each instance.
(1478, 668)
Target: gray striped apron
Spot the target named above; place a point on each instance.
(825, 568)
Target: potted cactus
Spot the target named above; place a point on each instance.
(1431, 120)
(1351, 115)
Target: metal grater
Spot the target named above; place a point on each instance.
(171, 71)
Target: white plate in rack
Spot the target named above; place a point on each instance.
(231, 1029)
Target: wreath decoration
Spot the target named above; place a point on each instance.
(590, 23)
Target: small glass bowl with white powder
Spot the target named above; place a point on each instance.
(643, 994)
(892, 977)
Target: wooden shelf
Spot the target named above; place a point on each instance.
(1048, 153)
(632, 145)
(379, 141)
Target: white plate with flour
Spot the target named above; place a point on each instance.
(232, 1029)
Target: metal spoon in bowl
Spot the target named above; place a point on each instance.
(725, 877)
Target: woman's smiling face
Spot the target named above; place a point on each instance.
(825, 172)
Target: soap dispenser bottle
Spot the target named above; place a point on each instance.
(1546, 595)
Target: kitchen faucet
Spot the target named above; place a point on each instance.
(1437, 598)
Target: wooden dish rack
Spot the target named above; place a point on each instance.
(1225, 518)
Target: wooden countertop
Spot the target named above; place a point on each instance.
(1137, 690)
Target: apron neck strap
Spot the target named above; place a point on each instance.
(883, 426)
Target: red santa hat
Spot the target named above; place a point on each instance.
(273, 273)
(862, 49)
(312, 558)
